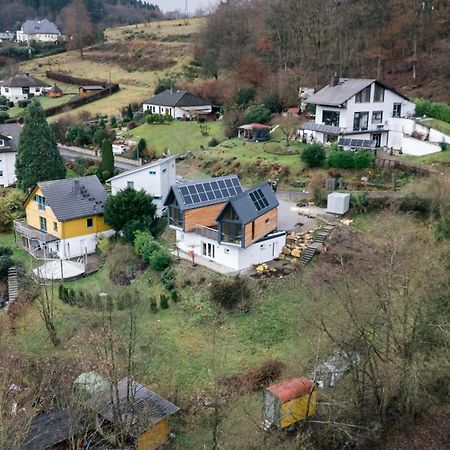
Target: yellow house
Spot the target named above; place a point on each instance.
(64, 218)
(289, 402)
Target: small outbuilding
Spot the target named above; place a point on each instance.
(55, 91)
(289, 402)
(89, 90)
(338, 203)
(254, 132)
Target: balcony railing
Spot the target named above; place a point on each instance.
(209, 233)
(33, 233)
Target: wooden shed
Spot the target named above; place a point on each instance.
(55, 91)
(89, 90)
(289, 402)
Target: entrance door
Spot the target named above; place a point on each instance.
(377, 139)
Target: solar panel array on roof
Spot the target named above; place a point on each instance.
(210, 190)
(357, 143)
(259, 200)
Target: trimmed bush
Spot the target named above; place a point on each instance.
(160, 259)
(167, 279)
(201, 119)
(5, 263)
(4, 116)
(436, 110)
(350, 160)
(213, 142)
(313, 155)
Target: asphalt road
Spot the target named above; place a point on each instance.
(71, 155)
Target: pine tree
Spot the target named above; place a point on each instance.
(107, 159)
(38, 158)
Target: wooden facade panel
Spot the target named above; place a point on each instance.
(261, 226)
(154, 437)
(205, 216)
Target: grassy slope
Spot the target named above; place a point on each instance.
(135, 86)
(46, 102)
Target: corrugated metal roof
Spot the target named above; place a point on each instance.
(40, 27)
(52, 428)
(291, 388)
(172, 98)
(68, 203)
(143, 408)
(322, 128)
(248, 207)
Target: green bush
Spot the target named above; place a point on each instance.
(436, 110)
(3, 101)
(160, 259)
(163, 301)
(342, 159)
(174, 296)
(5, 263)
(244, 96)
(167, 279)
(213, 142)
(5, 251)
(145, 245)
(201, 119)
(4, 116)
(23, 103)
(443, 145)
(258, 114)
(313, 155)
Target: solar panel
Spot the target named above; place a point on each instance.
(357, 143)
(198, 193)
(259, 200)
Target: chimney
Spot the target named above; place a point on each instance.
(334, 79)
(77, 187)
(172, 89)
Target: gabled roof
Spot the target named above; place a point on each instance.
(343, 91)
(252, 203)
(197, 194)
(158, 162)
(12, 132)
(74, 198)
(40, 27)
(291, 388)
(51, 428)
(173, 98)
(23, 80)
(147, 407)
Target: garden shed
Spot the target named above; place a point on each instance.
(289, 402)
(254, 132)
(338, 203)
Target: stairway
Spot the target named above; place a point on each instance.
(318, 240)
(13, 285)
(308, 254)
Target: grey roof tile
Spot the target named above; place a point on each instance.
(44, 26)
(11, 130)
(23, 80)
(173, 98)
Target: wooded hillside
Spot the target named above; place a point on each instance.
(404, 42)
(104, 12)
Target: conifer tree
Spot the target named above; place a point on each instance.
(107, 166)
(38, 158)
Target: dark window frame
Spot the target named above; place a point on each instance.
(330, 120)
(363, 96)
(378, 121)
(357, 120)
(377, 98)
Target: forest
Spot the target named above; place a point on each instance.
(102, 12)
(273, 43)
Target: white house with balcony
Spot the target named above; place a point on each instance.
(154, 178)
(357, 112)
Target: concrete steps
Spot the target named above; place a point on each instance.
(13, 284)
(319, 238)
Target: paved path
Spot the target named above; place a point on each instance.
(71, 154)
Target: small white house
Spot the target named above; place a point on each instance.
(338, 203)
(38, 31)
(7, 36)
(154, 178)
(215, 220)
(178, 104)
(356, 109)
(9, 139)
(21, 86)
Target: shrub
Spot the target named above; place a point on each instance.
(145, 245)
(359, 202)
(23, 103)
(244, 96)
(174, 296)
(167, 279)
(5, 251)
(350, 160)
(258, 114)
(163, 301)
(113, 121)
(3, 100)
(163, 84)
(436, 110)
(228, 293)
(153, 305)
(5, 263)
(201, 119)
(443, 145)
(160, 259)
(4, 116)
(213, 142)
(11, 202)
(313, 155)
(317, 188)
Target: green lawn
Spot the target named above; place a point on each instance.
(435, 158)
(179, 136)
(440, 125)
(46, 102)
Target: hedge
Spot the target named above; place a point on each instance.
(435, 110)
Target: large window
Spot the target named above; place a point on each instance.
(377, 117)
(378, 95)
(231, 228)
(361, 121)
(43, 223)
(363, 96)
(175, 215)
(41, 201)
(330, 118)
(397, 110)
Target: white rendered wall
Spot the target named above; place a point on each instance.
(8, 167)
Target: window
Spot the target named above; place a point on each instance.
(2, 143)
(152, 172)
(156, 197)
(267, 221)
(378, 95)
(208, 250)
(130, 184)
(377, 117)
(397, 110)
(6, 89)
(89, 222)
(43, 223)
(41, 201)
(55, 226)
(360, 121)
(1, 173)
(363, 96)
(330, 118)
(253, 230)
(175, 215)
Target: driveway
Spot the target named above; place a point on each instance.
(289, 217)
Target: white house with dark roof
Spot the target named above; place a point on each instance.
(154, 178)
(7, 36)
(21, 86)
(178, 104)
(216, 220)
(38, 31)
(9, 141)
(357, 109)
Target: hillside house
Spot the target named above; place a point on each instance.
(218, 221)
(7, 36)
(64, 218)
(9, 141)
(21, 87)
(356, 109)
(254, 132)
(178, 104)
(38, 31)
(154, 178)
